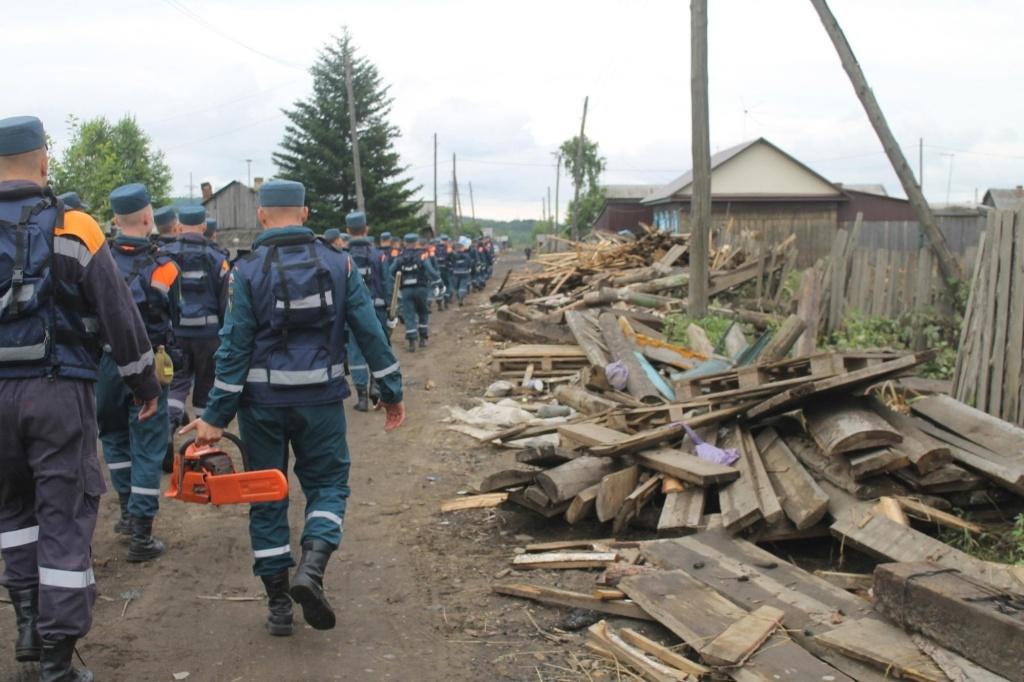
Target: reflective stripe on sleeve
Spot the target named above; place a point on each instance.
(152, 492)
(114, 466)
(23, 353)
(294, 377)
(230, 388)
(330, 516)
(136, 367)
(160, 286)
(307, 301)
(74, 580)
(273, 551)
(200, 321)
(72, 248)
(193, 274)
(18, 538)
(358, 368)
(176, 404)
(381, 373)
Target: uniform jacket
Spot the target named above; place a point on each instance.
(204, 269)
(426, 273)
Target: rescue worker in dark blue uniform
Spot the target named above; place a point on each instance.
(166, 220)
(461, 264)
(280, 367)
(443, 256)
(418, 277)
(134, 450)
(370, 263)
(332, 237)
(384, 244)
(61, 297)
(72, 202)
(204, 269)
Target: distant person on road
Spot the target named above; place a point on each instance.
(418, 276)
(370, 263)
(529, 252)
(461, 263)
(63, 299)
(280, 368)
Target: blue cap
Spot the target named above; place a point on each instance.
(355, 220)
(211, 227)
(20, 134)
(385, 235)
(445, 238)
(128, 199)
(346, 237)
(411, 238)
(332, 234)
(282, 193)
(193, 216)
(164, 216)
(72, 200)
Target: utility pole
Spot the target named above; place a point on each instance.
(578, 174)
(551, 216)
(472, 206)
(700, 197)
(558, 174)
(949, 178)
(248, 170)
(191, 187)
(360, 203)
(435, 226)
(920, 163)
(455, 198)
(947, 263)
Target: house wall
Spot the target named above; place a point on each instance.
(235, 211)
(763, 170)
(875, 207)
(617, 216)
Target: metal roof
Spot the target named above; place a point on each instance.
(1004, 198)
(613, 192)
(869, 188)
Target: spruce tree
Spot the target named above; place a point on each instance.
(317, 147)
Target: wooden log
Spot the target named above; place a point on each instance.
(581, 399)
(613, 491)
(533, 332)
(637, 384)
(759, 320)
(803, 500)
(661, 284)
(925, 453)
(836, 470)
(634, 503)
(962, 613)
(582, 505)
(891, 509)
(687, 467)
(473, 502)
(546, 456)
(565, 481)
(876, 642)
(644, 274)
(868, 463)
(608, 296)
(535, 500)
(846, 425)
(572, 600)
(809, 310)
(682, 510)
(783, 339)
(503, 480)
(563, 560)
(740, 640)
(587, 335)
(654, 671)
(1001, 469)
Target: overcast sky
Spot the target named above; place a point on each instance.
(502, 84)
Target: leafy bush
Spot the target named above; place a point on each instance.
(716, 327)
(908, 332)
(1006, 546)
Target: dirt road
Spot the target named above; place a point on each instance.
(410, 587)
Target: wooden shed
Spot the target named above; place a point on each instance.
(234, 206)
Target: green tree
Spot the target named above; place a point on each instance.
(591, 166)
(102, 156)
(317, 147)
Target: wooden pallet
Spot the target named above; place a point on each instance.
(546, 360)
(819, 364)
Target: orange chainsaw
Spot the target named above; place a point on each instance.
(206, 475)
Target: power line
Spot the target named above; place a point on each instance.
(175, 4)
(225, 133)
(225, 103)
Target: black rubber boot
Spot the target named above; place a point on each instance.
(55, 662)
(423, 341)
(26, 612)
(412, 344)
(143, 547)
(308, 585)
(374, 392)
(362, 404)
(123, 526)
(279, 619)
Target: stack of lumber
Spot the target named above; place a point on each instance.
(990, 359)
(731, 610)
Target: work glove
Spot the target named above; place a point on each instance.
(392, 323)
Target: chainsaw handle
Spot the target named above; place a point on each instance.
(228, 435)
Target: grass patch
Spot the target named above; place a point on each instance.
(715, 326)
(1005, 546)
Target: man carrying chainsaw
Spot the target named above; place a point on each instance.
(134, 450)
(280, 367)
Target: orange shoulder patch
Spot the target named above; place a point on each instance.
(81, 225)
(165, 274)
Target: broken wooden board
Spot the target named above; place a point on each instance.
(847, 424)
(504, 480)
(670, 432)
(740, 640)
(697, 614)
(803, 500)
(1001, 468)
(664, 654)
(852, 582)
(925, 453)
(613, 491)
(920, 510)
(485, 501)
(885, 646)
(868, 463)
(529, 499)
(888, 540)
(849, 382)
(587, 435)
(563, 560)
(739, 500)
(956, 667)
(687, 467)
(979, 427)
(750, 459)
(970, 617)
(836, 470)
(652, 670)
(572, 600)
(751, 577)
(634, 503)
(683, 510)
(582, 505)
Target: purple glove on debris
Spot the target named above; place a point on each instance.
(617, 375)
(710, 452)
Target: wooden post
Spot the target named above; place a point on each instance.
(455, 197)
(947, 262)
(436, 226)
(700, 197)
(558, 175)
(551, 216)
(360, 202)
(578, 174)
(472, 206)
